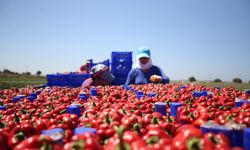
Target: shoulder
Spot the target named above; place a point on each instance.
(134, 70)
(87, 82)
(154, 67)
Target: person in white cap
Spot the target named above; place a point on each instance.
(144, 71)
(100, 75)
(85, 67)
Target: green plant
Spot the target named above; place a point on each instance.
(237, 80)
(38, 72)
(191, 79)
(217, 80)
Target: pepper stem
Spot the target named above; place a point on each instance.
(193, 144)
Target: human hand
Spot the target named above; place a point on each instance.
(155, 78)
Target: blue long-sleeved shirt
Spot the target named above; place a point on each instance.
(137, 76)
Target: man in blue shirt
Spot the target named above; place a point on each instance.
(145, 72)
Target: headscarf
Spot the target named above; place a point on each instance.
(143, 52)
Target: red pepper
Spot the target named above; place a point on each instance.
(133, 122)
(186, 114)
(37, 142)
(157, 139)
(68, 119)
(219, 141)
(152, 118)
(42, 124)
(169, 127)
(199, 121)
(20, 132)
(4, 136)
(187, 137)
(83, 141)
(125, 140)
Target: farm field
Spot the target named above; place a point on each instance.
(238, 86)
(8, 81)
(150, 116)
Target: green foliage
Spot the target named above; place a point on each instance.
(223, 84)
(38, 72)
(6, 71)
(217, 80)
(8, 81)
(27, 73)
(237, 80)
(191, 79)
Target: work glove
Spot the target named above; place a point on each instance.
(155, 79)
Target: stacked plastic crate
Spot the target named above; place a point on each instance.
(76, 80)
(57, 80)
(72, 80)
(121, 65)
(105, 62)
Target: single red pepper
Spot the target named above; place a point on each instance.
(125, 140)
(186, 138)
(157, 139)
(37, 142)
(83, 141)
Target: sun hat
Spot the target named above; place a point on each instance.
(88, 61)
(102, 71)
(143, 52)
(99, 68)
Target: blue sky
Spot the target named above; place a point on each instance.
(204, 39)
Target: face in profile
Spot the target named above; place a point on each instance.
(143, 60)
(99, 80)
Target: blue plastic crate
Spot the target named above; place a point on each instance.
(151, 94)
(120, 76)
(139, 94)
(181, 87)
(217, 87)
(55, 134)
(33, 94)
(247, 91)
(17, 98)
(199, 94)
(74, 109)
(31, 98)
(241, 102)
(3, 107)
(105, 62)
(82, 96)
(121, 62)
(93, 92)
(40, 91)
(237, 138)
(160, 107)
(119, 82)
(127, 87)
(57, 80)
(82, 130)
(120, 79)
(115, 56)
(173, 108)
(247, 138)
(121, 67)
(217, 129)
(76, 80)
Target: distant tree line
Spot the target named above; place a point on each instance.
(217, 80)
(8, 72)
